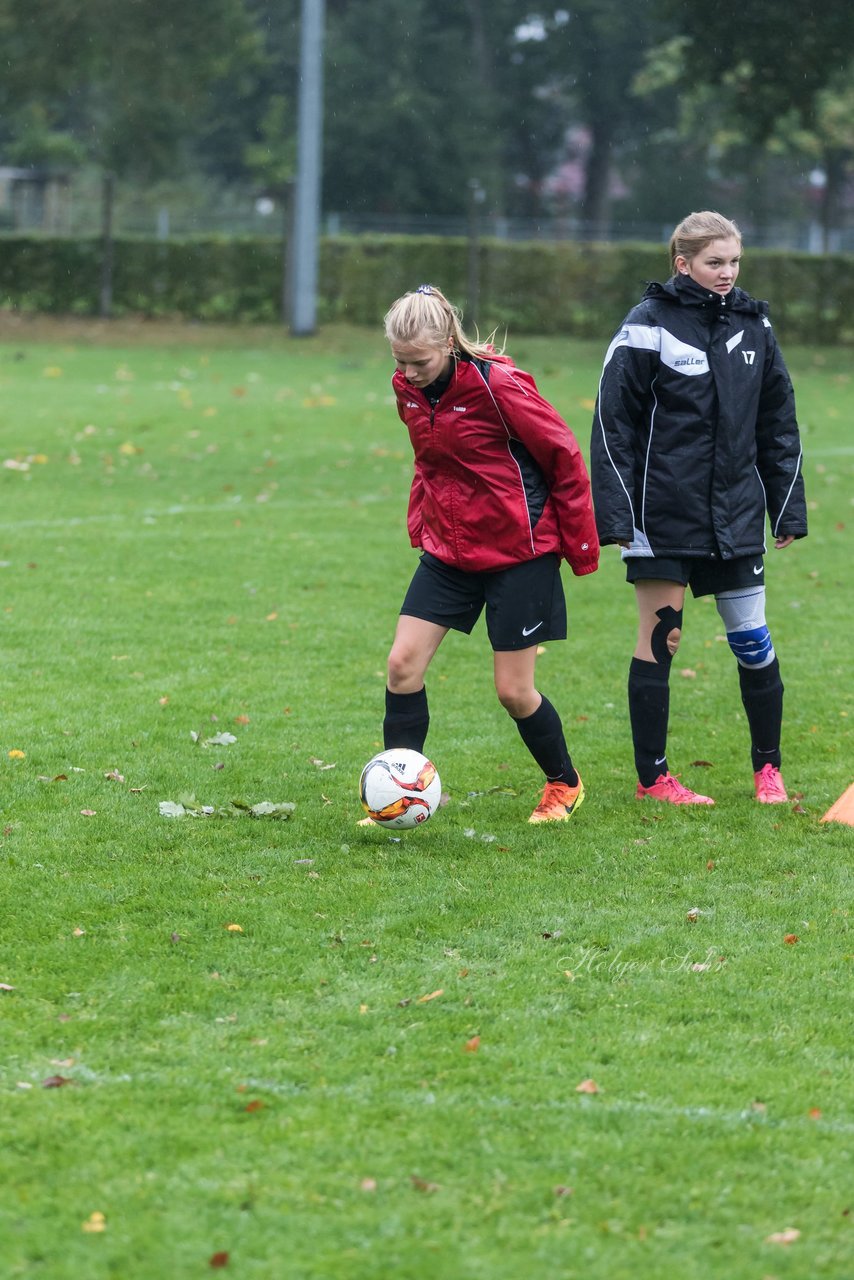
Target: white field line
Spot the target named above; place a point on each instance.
(152, 515)
(580, 1105)
(829, 451)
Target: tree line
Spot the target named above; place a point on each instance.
(597, 108)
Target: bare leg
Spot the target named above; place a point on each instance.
(514, 681)
(415, 643)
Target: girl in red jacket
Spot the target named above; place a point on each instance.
(499, 497)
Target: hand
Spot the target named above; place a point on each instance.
(781, 543)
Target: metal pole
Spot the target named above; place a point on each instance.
(309, 160)
(477, 195)
(287, 251)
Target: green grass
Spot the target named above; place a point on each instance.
(209, 537)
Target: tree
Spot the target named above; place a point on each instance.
(581, 62)
(769, 62)
(755, 94)
(131, 82)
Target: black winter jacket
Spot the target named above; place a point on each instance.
(694, 433)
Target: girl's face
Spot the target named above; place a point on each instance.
(715, 267)
(421, 362)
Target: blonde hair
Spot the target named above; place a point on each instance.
(696, 231)
(426, 316)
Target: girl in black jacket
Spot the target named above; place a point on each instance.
(695, 438)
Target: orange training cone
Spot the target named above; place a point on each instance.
(843, 810)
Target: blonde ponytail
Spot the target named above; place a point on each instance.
(426, 316)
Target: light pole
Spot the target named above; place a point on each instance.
(306, 220)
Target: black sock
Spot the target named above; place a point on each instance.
(762, 696)
(649, 710)
(542, 734)
(407, 720)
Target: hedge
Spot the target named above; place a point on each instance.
(582, 290)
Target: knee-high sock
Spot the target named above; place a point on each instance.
(762, 695)
(407, 720)
(649, 711)
(542, 734)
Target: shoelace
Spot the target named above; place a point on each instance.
(771, 781)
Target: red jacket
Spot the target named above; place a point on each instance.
(499, 477)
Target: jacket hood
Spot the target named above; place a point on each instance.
(683, 291)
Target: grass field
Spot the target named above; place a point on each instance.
(303, 1049)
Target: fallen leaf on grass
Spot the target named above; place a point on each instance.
(688, 673)
(189, 807)
(88, 813)
(78, 932)
(791, 938)
(255, 1105)
(564, 1191)
(814, 1113)
(4, 986)
(56, 1082)
(472, 1046)
(420, 1184)
(113, 775)
(434, 995)
(321, 764)
(15, 754)
(702, 764)
(788, 1236)
(368, 1184)
(218, 739)
(218, 1259)
(234, 928)
(95, 1222)
(587, 1086)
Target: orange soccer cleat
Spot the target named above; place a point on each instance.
(559, 802)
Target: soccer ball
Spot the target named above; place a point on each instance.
(400, 788)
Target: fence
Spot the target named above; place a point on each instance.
(241, 212)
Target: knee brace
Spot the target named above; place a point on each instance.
(669, 619)
(743, 614)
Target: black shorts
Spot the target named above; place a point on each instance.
(705, 577)
(525, 604)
